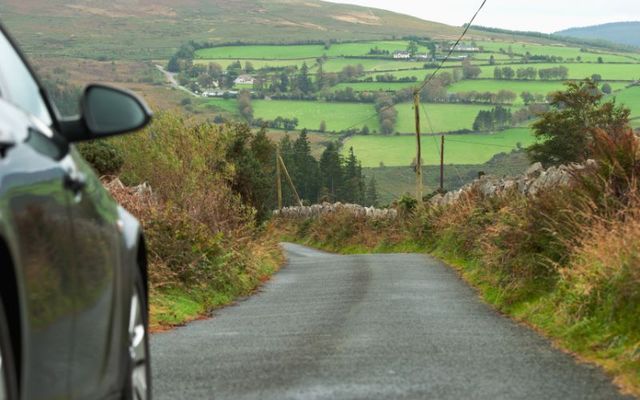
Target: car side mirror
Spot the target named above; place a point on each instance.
(106, 111)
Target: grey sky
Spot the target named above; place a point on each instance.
(541, 15)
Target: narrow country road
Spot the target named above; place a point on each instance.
(171, 80)
(395, 326)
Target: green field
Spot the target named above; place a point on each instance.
(630, 97)
(258, 63)
(459, 149)
(375, 86)
(299, 51)
(393, 182)
(227, 105)
(623, 72)
(442, 117)
(565, 52)
(370, 64)
(535, 87)
(337, 116)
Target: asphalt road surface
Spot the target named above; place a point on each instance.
(397, 326)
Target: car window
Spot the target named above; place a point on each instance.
(20, 87)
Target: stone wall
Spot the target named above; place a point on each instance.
(534, 180)
(317, 210)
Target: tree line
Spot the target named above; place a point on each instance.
(530, 73)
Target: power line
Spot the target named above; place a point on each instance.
(427, 80)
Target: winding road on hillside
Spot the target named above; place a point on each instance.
(396, 326)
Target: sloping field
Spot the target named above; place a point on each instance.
(624, 72)
(337, 116)
(630, 97)
(259, 63)
(459, 149)
(442, 117)
(566, 52)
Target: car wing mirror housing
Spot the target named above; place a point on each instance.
(106, 111)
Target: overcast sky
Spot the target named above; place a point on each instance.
(528, 15)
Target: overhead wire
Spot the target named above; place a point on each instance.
(428, 79)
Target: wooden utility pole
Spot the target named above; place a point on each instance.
(416, 108)
(286, 174)
(442, 164)
(278, 179)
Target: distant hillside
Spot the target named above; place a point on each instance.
(627, 33)
(154, 28)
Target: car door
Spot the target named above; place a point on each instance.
(95, 229)
(34, 197)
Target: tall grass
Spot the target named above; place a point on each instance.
(204, 245)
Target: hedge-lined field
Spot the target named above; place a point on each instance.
(459, 149)
(337, 116)
(258, 63)
(630, 97)
(559, 51)
(623, 72)
(299, 51)
(442, 117)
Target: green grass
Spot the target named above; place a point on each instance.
(494, 86)
(338, 116)
(375, 86)
(259, 63)
(370, 65)
(624, 72)
(442, 117)
(393, 182)
(459, 149)
(566, 52)
(299, 51)
(630, 97)
(535, 87)
(219, 104)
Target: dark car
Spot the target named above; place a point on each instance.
(73, 309)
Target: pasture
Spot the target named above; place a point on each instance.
(375, 86)
(299, 51)
(258, 63)
(630, 97)
(459, 149)
(442, 117)
(337, 116)
(566, 52)
(615, 72)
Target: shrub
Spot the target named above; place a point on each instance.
(103, 156)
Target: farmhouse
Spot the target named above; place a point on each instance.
(401, 55)
(244, 79)
(464, 48)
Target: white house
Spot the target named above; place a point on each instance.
(464, 48)
(401, 55)
(244, 80)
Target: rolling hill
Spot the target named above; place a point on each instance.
(627, 33)
(153, 29)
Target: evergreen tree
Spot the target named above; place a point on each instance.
(372, 193)
(304, 171)
(353, 185)
(331, 174)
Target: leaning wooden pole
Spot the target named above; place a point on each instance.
(278, 179)
(286, 174)
(416, 107)
(442, 164)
